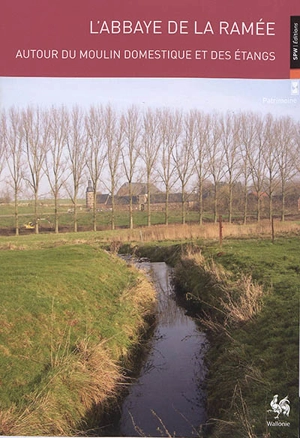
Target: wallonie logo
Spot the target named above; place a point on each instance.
(281, 408)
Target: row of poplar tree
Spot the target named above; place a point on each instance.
(181, 151)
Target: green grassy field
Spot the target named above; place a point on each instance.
(58, 305)
(103, 217)
(85, 218)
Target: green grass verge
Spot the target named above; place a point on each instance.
(252, 361)
(54, 301)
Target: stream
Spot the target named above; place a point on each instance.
(166, 399)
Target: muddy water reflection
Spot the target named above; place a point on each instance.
(166, 399)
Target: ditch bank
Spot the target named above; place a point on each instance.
(249, 310)
(71, 317)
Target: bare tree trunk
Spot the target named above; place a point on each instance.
(148, 203)
(130, 206)
(230, 204)
(75, 215)
(77, 147)
(215, 154)
(270, 207)
(270, 155)
(95, 210)
(36, 135)
(96, 150)
(283, 205)
(167, 207)
(55, 161)
(199, 154)
(258, 207)
(229, 141)
(113, 209)
(200, 200)
(216, 199)
(247, 137)
(17, 226)
(257, 164)
(36, 215)
(13, 136)
(56, 222)
(131, 151)
(287, 134)
(151, 141)
(113, 133)
(182, 157)
(245, 212)
(170, 130)
(183, 207)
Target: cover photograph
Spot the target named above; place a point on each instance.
(149, 218)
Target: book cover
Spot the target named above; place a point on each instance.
(152, 121)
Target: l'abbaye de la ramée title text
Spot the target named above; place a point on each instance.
(183, 27)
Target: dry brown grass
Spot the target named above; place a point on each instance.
(140, 302)
(244, 302)
(10, 246)
(142, 298)
(243, 421)
(83, 379)
(237, 300)
(206, 231)
(155, 233)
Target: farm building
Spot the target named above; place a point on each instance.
(140, 198)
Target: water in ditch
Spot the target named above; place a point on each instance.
(166, 399)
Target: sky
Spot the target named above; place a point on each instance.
(263, 96)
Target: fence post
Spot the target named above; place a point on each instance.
(220, 230)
